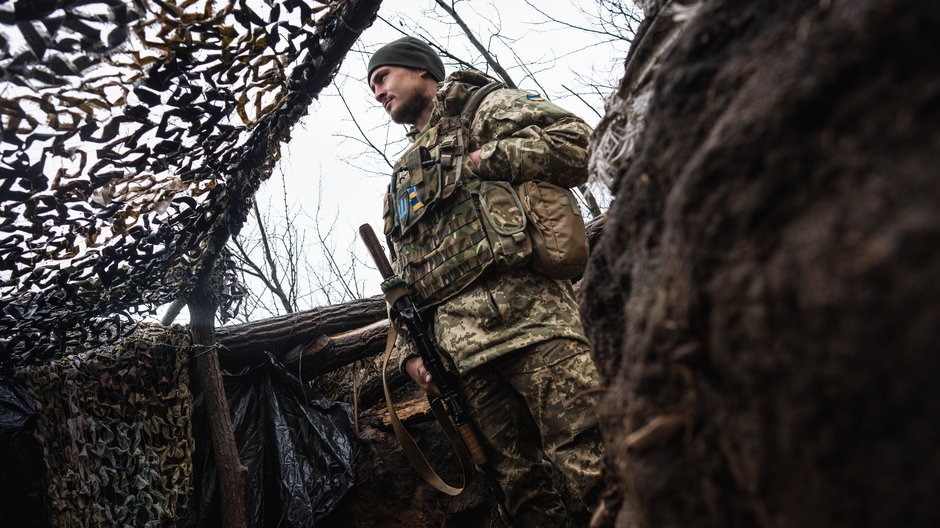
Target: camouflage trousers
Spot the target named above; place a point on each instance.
(522, 405)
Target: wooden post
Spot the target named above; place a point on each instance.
(229, 468)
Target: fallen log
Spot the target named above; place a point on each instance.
(372, 394)
(328, 353)
(243, 342)
(594, 228)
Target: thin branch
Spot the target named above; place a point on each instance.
(440, 49)
(497, 67)
(529, 73)
(290, 246)
(576, 94)
(331, 260)
(589, 200)
(365, 137)
(266, 252)
(569, 25)
(256, 271)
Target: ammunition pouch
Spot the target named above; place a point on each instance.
(555, 228)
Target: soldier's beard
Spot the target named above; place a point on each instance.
(411, 107)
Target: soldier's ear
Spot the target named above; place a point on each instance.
(428, 79)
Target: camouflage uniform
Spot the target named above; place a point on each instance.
(515, 336)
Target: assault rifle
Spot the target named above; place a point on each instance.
(418, 332)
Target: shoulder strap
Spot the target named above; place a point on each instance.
(473, 103)
(455, 129)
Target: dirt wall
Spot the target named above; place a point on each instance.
(765, 301)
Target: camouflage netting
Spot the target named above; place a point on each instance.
(115, 429)
(134, 135)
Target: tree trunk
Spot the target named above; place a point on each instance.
(764, 303)
(372, 394)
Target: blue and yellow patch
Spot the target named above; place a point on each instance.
(535, 97)
(415, 201)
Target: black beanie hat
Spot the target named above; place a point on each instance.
(410, 53)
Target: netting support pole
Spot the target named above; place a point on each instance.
(230, 471)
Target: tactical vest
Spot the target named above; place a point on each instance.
(445, 225)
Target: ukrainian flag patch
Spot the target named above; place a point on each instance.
(535, 97)
(415, 201)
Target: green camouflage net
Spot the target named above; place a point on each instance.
(115, 430)
(133, 136)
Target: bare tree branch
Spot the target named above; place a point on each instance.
(497, 67)
(587, 104)
(440, 49)
(529, 73)
(589, 201)
(614, 8)
(175, 308)
(254, 270)
(277, 288)
(365, 137)
(328, 252)
(291, 245)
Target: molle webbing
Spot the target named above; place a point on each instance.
(432, 262)
(454, 280)
(449, 254)
(448, 225)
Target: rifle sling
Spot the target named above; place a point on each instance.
(412, 451)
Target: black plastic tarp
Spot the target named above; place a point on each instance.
(298, 451)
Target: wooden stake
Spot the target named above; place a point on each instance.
(229, 468)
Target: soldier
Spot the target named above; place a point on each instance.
(513, 334)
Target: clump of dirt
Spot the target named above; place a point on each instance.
(764, 302)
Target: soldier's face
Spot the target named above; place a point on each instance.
(403, 92)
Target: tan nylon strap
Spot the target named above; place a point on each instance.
(412, 451)
(393, 294)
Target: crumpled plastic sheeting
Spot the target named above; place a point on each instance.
(300, 456)
(114, 425)
(21, 491)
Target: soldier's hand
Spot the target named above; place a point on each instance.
(415, 368)
(475, 158)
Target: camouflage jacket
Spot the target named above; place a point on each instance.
(522, 137)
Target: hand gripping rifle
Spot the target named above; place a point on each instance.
(454, 420)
